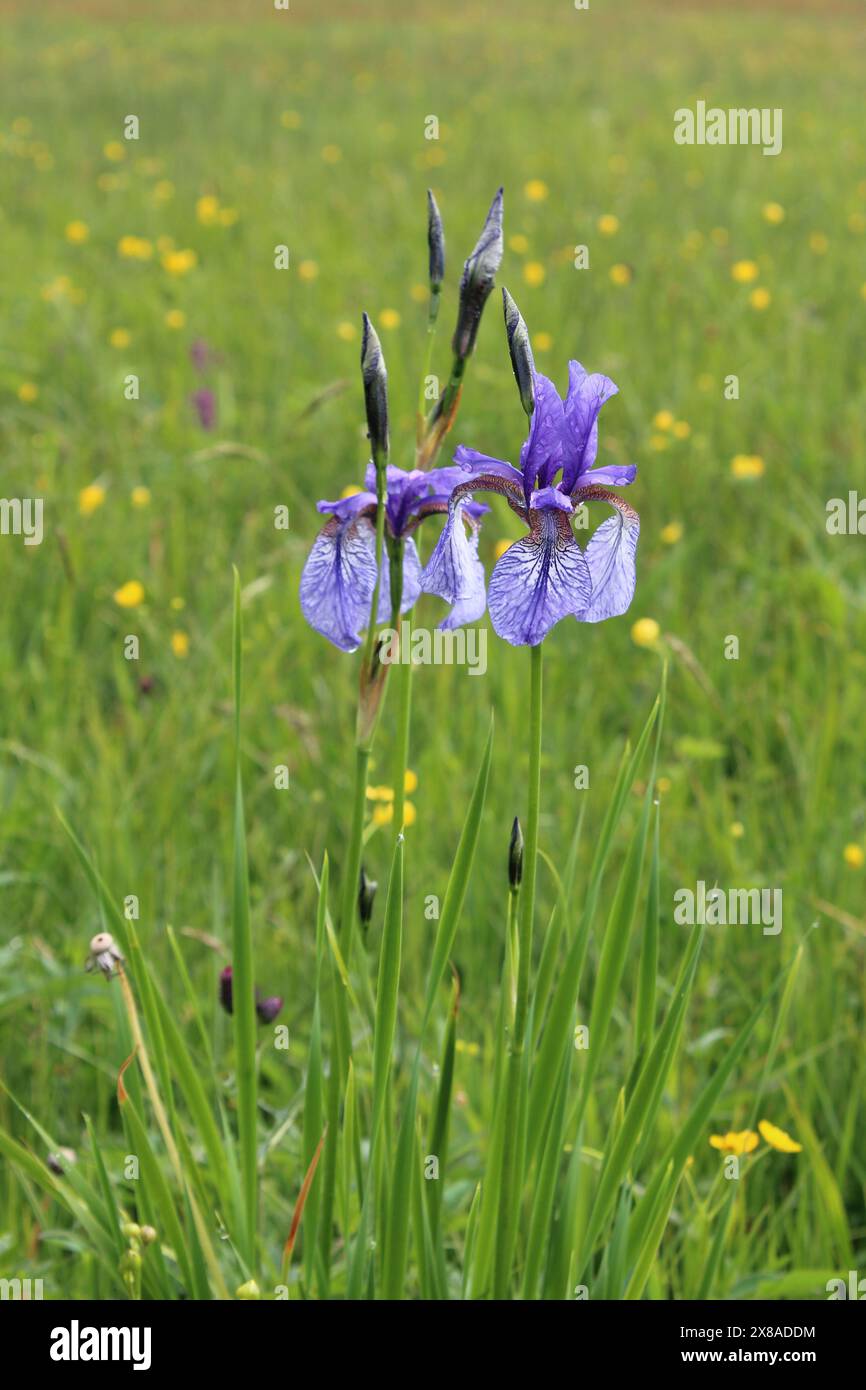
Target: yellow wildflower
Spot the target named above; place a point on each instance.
(519, 243)
(663, 420)
(410, 781)
(744, 272)
(347, 331)
(774, 213)
(760, 298)
(332, 154)
(207, 209)
(140, 496)
(114, 151)
(854, 856)
(743, 1141)
(645, 632)
(542, 341)
(778, 1139)
(179, 262)
(534, 273)
(28, 392)
(535, 190)
(608, 224)
(175, 318)
(672, 533)
(389, 318)
(747, 466)
(130, 594)
(77, 231)
(180, 644)
(308, 270)
(90, 498)
(120, 337)
(621, 274)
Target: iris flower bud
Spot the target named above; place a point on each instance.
(375, 377)
(436, 244)
(521, 352)
(515, 856)
(477, 280)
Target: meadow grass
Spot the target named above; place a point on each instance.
(312, 136)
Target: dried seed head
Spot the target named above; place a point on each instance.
(477, 280)
(520, 351)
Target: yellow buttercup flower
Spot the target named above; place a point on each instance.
(28, 392)
(657, 442)
(389, 318)
(645, 632)
(140, 496)
(534, 273)
(774, 213)
(778, 1139)
(180, 644)
(519, 243)
(856, 222)
(747, 466)
(663, 420)
(179, 262)
(760, 298)
(743, 1141)
(542, 341)
(291, 120)
(608, 225)
(410, 815)
(736, 830)
(135, 248)
(90, 498)
(347, 331)
(744, 272)
(672, 533)
(380, 793)
(854, 856)
(163, 191)
(120, 337)
(175, 318)
(663, 785)
(621, 274)
(228, 217)
(383, 814)
(308, 270)
(207, 210)
(410, 781)
(536, 190)
(177, 603)
(819, 243)
(114, 151)
(77, 231)
(681, 429)
(420, 294)
(332, 154)
(130, 594)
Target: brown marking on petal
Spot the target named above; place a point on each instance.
(594, 492)
(490, 482)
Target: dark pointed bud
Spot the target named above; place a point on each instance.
(226, 989)
(515, 856)
(267, 1009)
(521, 352)
(477, 280)
(366, 893)
(375, 378)
(436, 243)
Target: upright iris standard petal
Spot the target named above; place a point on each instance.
(541, 456)
(611, 558)
(587, 393)
(538, 580)
(338, 580)
(454, 571)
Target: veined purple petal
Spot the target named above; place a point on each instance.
(587, 393)
(546, 499)
(454, 571)
(541, 456)
(610, 475)
(411, 581)
(471, 462)
(338, 580)
(611, 557)
(348, 507)
(538, 580)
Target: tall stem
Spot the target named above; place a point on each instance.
(513, 1148)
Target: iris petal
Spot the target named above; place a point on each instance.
(454, 571)
(338, 580)
(411, 582)
(587, 393)
(541, 455)
(611, 558)
(538, 580)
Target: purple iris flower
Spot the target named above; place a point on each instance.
(339, 577)
(204, 402)
(546, 575)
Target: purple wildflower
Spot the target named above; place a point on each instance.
(266, 1009)
(546, 576)
(200, 354)
(339, 577)
(204, 401)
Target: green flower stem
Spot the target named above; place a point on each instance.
(512, 1156)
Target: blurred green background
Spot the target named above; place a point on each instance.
(260, 128)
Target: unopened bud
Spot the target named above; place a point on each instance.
(148, 1235)
(375, 377)
(521, 352)
(436, 244)
(477, 280)
(248, 1291)
(515, 856)
(366, 893)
